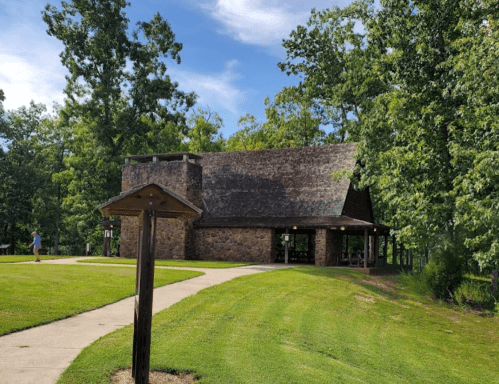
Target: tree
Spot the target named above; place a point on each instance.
(113, 111)
(336, 66)
(203, 134)
(475, 130)
(291, 122)
(251, 136)
(20, 173)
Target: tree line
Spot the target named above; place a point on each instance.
(414, 83)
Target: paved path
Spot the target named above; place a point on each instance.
(39, 355)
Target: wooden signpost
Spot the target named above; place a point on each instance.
(147, 202)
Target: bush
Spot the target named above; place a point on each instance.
(444, 273)
(475, 293)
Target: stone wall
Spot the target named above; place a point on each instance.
(234, 244)
(174, 238)
(181, 177)
(327, 247)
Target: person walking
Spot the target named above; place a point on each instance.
(36, 244)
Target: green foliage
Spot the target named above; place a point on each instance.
(203, 134)
(444, 273)
(475, 294)
(120, 101)
(339, 77)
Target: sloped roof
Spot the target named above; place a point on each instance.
(288, 182)
(150, 196)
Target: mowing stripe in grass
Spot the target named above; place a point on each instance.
(37, 294)
(307, 325)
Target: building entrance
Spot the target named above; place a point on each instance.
(300, 247)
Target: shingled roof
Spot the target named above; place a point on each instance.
(288, 182)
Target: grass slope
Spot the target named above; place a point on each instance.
(20, 259)
(170, 263)
(307, 325)
(36, 294)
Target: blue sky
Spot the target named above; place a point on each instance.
(230, 55)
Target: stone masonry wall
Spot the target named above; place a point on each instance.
(173, 237)
(322, 247)
(234, 244)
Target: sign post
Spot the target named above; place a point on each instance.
(147, 202)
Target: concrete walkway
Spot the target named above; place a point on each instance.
(39, 355)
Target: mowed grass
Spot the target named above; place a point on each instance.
(170, 263)
(22, 258)
(36, 294)
(307, 325)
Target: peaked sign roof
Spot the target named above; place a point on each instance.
(151, 197)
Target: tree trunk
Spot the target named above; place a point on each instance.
(495, 274)
(56, 242)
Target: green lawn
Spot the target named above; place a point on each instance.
(36, 294)
(307, 325)
(170, 263)
(19, 259)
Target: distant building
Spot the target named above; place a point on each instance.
(250, 199)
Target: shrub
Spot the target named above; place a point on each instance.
(444, 273)
(475, 293)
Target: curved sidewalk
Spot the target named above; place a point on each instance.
(39, 355)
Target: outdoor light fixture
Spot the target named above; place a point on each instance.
(295, 227)
(374, 229)
(342, 228)
(333, 228)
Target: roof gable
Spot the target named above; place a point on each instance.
(288, 182)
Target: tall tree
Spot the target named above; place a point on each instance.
(114, 111)
(475, 129)
(335, 63)
(203, 134)
(20, 173)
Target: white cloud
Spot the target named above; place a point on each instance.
(264, 22)
(30, 69)
(257, 22)
(215, 90)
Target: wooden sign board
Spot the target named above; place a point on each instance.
(148, 202)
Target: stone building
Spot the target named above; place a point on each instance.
(250, 199)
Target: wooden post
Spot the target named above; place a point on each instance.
(366, 246)
(376, 250)
(385, 250)
(346, 247)
(394, 250)
(286, 248)
(143, 298)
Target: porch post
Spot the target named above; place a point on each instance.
(286, 248)
(385, 250)
(394, 250)
(376, 249)
(366, 246)
(346, 248)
